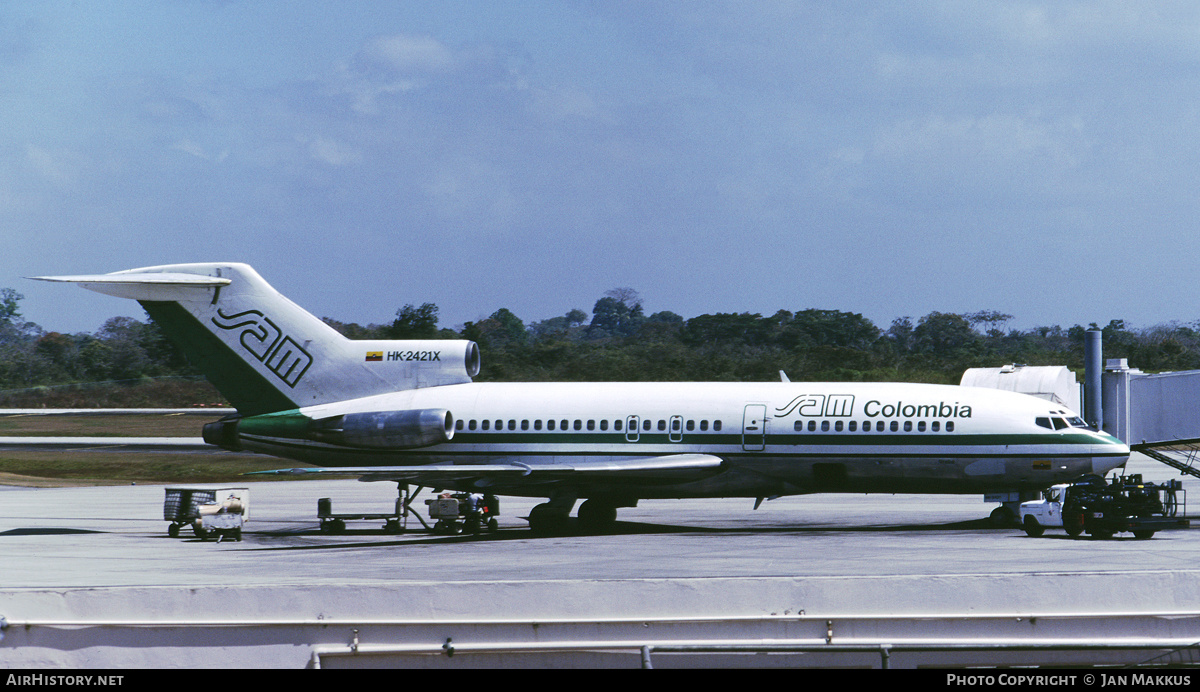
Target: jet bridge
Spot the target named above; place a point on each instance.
(1155, 414)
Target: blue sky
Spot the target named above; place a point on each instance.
(893, 159)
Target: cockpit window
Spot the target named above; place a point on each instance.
(1060, 421)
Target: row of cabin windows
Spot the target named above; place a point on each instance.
(565, 424)
(880, 426)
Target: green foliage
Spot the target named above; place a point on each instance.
(415, 323)
(617, 342)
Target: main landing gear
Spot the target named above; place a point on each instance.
(595, 515)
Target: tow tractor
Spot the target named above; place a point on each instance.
(464, 512)
(1125, 503)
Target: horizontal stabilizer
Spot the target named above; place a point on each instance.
(159, 286)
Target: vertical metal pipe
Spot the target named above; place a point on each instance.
(1093, 352)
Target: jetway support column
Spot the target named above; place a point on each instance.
(1093, 406)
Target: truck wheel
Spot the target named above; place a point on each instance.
(1032, 527)
(1143, 534)
(1073, 523)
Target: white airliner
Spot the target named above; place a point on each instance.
(408, 411)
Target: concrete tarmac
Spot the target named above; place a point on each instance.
(99, 554)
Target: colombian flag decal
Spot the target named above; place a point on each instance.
(374, 355)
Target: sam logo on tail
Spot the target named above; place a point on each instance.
(267, 343)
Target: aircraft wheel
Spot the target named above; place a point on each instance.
(597, 516)
(173, 530)
(1003, 517)
(546, 518)
(1032, 527)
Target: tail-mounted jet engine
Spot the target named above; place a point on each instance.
(387, 429)
(378, 430)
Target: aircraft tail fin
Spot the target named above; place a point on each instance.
(265, 353)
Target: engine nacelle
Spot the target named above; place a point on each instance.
(387, 429)
(413, 364)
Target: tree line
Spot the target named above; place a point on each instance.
(616, 341)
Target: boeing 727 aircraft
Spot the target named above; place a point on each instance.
(408, 411)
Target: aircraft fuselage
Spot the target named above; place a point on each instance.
(773, 438)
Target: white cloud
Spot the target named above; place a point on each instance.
(407, 54)
(333, 153)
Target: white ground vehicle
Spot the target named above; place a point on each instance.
(1100, 508)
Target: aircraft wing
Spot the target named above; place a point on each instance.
(673, 468)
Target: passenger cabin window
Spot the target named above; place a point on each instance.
(717, 425)
(704, 425)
